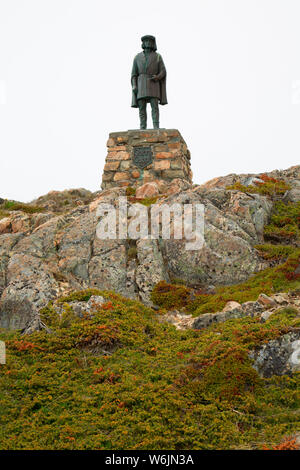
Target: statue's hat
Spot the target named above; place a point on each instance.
(148, 36)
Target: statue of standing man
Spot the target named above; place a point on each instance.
(148, 80)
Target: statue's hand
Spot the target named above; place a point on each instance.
(134, 89)
(155, 78)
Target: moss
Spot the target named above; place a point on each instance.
(147, 201)
(130, 191)
(132, 253)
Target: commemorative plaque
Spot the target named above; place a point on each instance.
(142, 157)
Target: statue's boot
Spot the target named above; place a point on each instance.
(156, 125)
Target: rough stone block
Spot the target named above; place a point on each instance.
(177, 164)
(118, 155)
(171, 174)
(135, 173)
(147, 190)
(162, 155)
(110, 142)
(125, 165)
(121, 176)
(107, 176)
(162, 165)
(117, 148)
(174, 145)
(111, 166)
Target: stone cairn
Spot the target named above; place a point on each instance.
(137, 157)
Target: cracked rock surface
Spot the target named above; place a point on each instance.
(44, 255)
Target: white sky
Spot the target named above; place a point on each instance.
(65, 84)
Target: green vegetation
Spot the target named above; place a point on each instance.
(77, 296)
(284, 225)
(19, 206)
(59, 202)
(3, 214)
(274, 252)
(269, 187)
(63, 201)
(170, 295)
(130, 191)
(132, 252)
(147, 201)
(121, 380)
(11, 206)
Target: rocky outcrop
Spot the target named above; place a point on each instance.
(30, 285)
(231, 311)
(62, 201)
(43, 255)
(233, 225)
(290, 176)
(280, 356)
(81, 308)
(264, 307)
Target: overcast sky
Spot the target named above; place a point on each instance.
(233, 85)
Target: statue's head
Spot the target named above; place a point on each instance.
(149, 42)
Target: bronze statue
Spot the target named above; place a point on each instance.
(148, 80)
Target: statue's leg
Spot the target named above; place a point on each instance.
(142, 103)
(155, 112)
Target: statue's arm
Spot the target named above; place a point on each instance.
(161, 69)
(134, 75)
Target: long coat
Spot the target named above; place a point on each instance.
(142, 70)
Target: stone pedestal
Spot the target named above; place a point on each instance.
(136, 157)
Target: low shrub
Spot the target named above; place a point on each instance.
(170, 295)
(122, 380)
